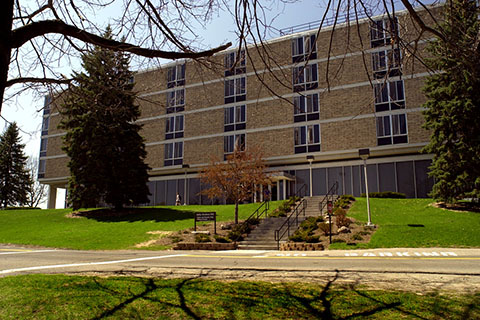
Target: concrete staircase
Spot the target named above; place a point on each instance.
(263, 236)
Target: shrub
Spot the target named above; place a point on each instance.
(347, 197)
(221, 239)
(339, 211)
(297, 237)
(338, 241)
(235, 236)
(312, 239)
(201, 237)
(175, 239)
(386, 194)
(325, 227)
(341, 220)
(357, 237)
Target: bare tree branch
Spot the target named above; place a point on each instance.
(36, 29)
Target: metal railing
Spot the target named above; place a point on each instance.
(326, 22)
(285, 227)
(263, 209)
(332, 192)
(302, 192)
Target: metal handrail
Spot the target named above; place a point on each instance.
(328, 197)
(257, 212)
(297, 211)
(299, 192)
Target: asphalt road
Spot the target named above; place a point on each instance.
(410, 269)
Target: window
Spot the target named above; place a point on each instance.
(234, 64)
(41, 168)
(230, 143)
(45, 125)
(304, 48)
(305, 77)
(389, 96)
(235, 118)
(176, 101)
(307, 138)
(382, 32)
(173, 154)
(47, 104)
(174, 127)
(386, 62)
(235, 90)
(176, 76)
(43, 147)
(305, 107)
(392, 129)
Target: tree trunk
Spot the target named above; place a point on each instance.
(6, 18)
(236, 211)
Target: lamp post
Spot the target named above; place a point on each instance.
(185, 166)
(364, 154)
(310, 159)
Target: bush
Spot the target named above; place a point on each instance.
(221, 239)
(339, 211)
(325, 227)
(235, 236)
(175, 239)
(201, 237)
(347, 197)
(386, 194)
(338, 241)
(341, 220)
(297, 237)
(357, 237)
(312, 239)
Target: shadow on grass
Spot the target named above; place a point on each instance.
(148, 294)
(136, 214)
(328, 302)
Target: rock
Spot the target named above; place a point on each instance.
(344, 230)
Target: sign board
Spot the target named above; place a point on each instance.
(329, 207)
(206, 216)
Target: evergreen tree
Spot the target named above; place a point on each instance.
(453, 107)
(14, 176)
(103, 142)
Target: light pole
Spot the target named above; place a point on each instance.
(310, 159)
(364, 154)
(185, 166)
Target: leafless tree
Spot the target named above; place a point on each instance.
(38, 37)
(37, 192)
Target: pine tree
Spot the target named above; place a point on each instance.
(14, 176)
(103, 142)
(453, 107)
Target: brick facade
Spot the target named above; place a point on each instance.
(347, 118)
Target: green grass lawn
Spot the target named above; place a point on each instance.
(78, 297)
(415, 223)
(51, 228)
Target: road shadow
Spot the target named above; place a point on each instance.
(134, 214)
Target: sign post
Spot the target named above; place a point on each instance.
(330, 211)
(206, 216)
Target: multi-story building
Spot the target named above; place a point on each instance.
(309, 100)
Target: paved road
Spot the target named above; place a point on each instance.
(415, 269)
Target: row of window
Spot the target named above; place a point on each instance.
(389, 94)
